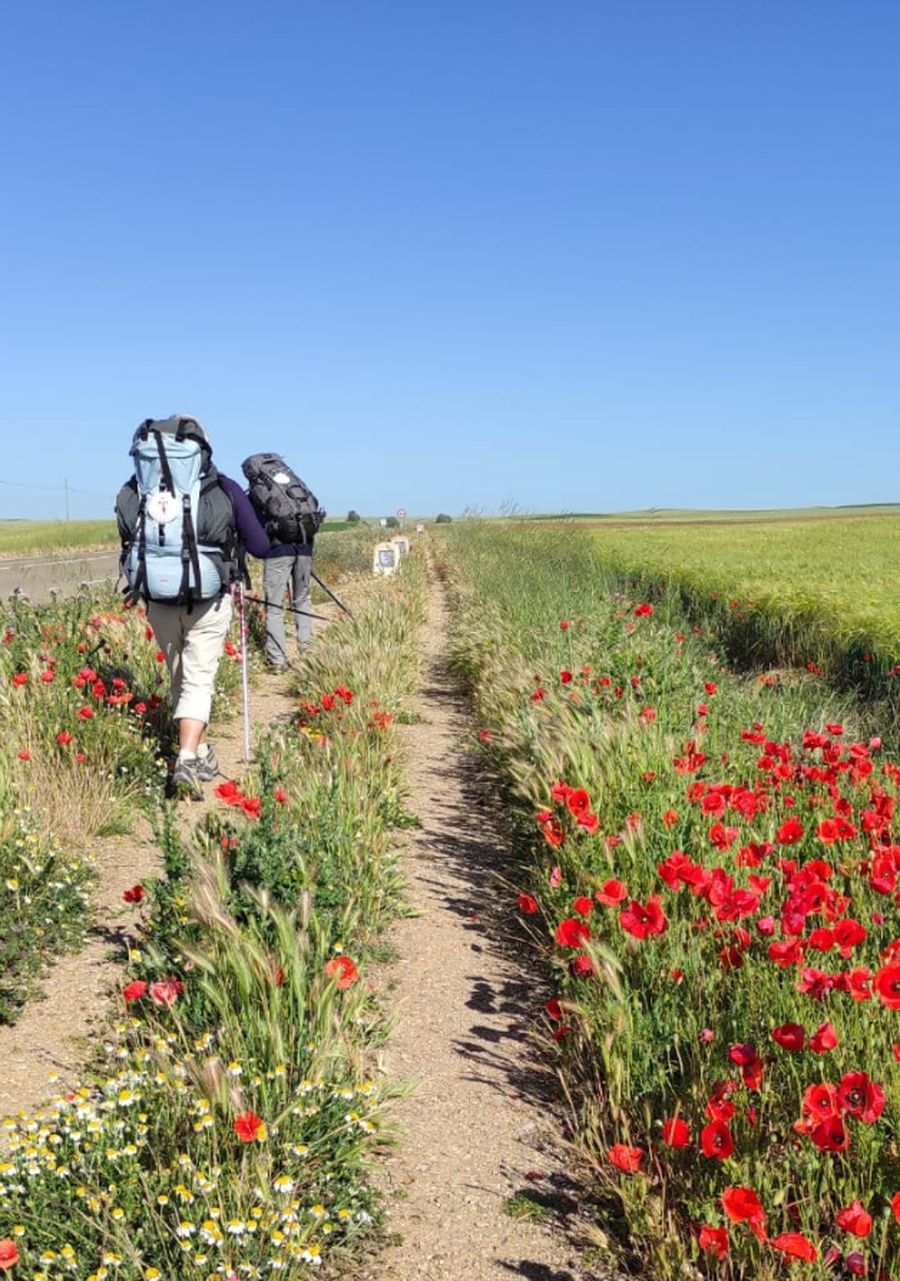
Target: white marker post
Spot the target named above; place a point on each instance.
(385, 559)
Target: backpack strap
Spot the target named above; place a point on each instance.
(164, 464)
(139, 586)
(190, 555)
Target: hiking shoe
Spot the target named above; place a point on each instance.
(186, 778)
(208, 765)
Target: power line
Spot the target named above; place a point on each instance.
(56, 489)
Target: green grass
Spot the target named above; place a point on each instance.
(51, 535)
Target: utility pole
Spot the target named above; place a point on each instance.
(66, 486)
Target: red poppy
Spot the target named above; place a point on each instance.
(895, 1205)
(20, 678)
(249, 1127)
(790, 832)
(565, 677)
(9, 1255)
(887, 985)
(860, 1097)
(528, 906)
(252, 806)
(676, 1133)
(166, 992)
(611, 893)
(716, 1141)
(578, 802)
(554, 1009)
(644, 610)
(829, 1135)
(135, 990)
(553, 832)
(64, 738)
(715, 1240)
(572, 932)
(752, 1074)
(742, 1205)
(795, 1245)
(742, 1054)
(135, 894)
(790, 1036)
(641, 919)
(342, 970)
(824, 1038)
(626, 1158)
(583, 906)
(24, 754)
(854, 1219)
(581, 967)
(820, 1101)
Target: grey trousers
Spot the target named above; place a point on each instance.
(291, 574)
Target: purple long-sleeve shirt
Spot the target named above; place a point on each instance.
(251, 533)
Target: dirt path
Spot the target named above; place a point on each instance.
(51, 1038)
(475, 1136)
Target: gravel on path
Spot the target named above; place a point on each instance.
(476, 1143)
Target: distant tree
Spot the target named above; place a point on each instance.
(352, 517)
(393, 522)
(443, 519)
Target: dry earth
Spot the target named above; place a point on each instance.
(47, 1047)
(478, 1129)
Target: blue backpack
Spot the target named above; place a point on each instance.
(175, 518)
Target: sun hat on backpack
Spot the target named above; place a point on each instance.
(175, 518)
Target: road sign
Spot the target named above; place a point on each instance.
(401, 512)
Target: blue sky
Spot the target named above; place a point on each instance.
(577, 256)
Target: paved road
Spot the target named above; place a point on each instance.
(64, 572)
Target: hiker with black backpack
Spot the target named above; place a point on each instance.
(184, 528)
(291, 515)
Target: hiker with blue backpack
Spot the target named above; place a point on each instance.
(291, 515)
(184, 529)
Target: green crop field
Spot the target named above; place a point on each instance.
(791, 591)
(55, 535)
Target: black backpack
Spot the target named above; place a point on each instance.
(286, 506)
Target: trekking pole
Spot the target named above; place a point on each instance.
(288, 609)
(325, 588)
(245, 678)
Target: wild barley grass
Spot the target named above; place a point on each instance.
(227, 1133)
(618, 736)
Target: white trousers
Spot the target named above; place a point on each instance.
(192, 643)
